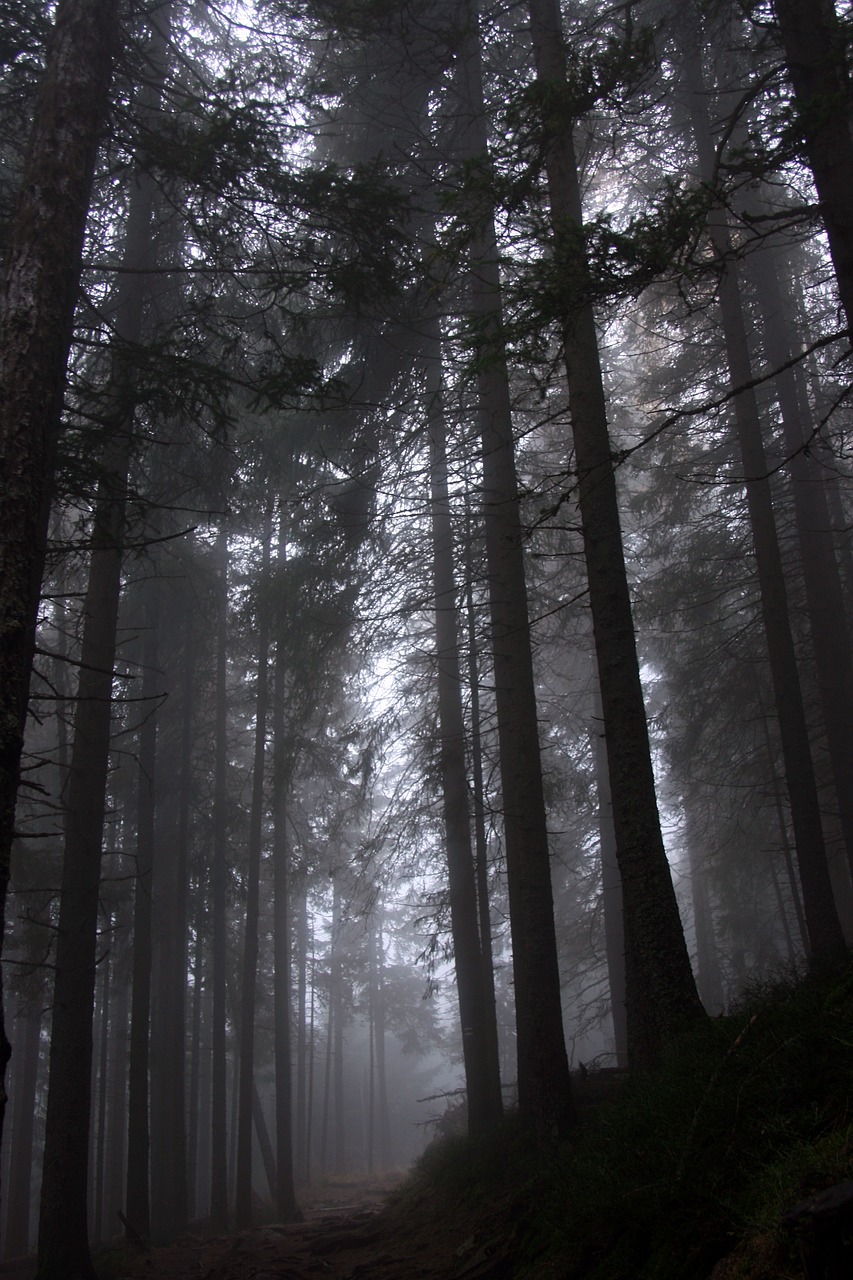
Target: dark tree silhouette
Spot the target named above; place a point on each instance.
(36, 313)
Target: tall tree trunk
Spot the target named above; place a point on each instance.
(243, 1208)
(327, 1082)
(262, 1133)
(116, 1128)
(302, 1104)
(782, 827)
(309, 1099)
(37, 303)
(63, 1240)
(611, 892)
(202, 1164)
(138, 1211)
(544, 1088)
(63, 1235)
(194, 1092)
(285, 1193)
(170, 888)
(482, 1080)
(816, 53)
(218, 1119)
(708, 975)
(336, 999)
(481, 843)
(24, 1080)
(383, 1122)
(97, 1203)
(830, 635)
(257, 1117)
(826, 939)
(660, 990)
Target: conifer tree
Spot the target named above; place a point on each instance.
(36, 313)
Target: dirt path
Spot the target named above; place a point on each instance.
(344, 1237)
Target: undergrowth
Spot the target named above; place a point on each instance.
(694, 1162)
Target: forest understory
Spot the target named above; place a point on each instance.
(733, 1160)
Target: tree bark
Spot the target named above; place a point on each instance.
(25, 1073)
(194, 1093)
(37, 302)
(611, 892)
(336, 1001)
(708, 975)
(544, 1087)
(830, 635)
(285, 1192)
(243, 1207)
(63, 1233)
(218, 1121)
(302, 1048)
(660, 990)
(138, 1210)
(116, 1130)
(170, 887)
(383, 1121)
(482, 1080)
(481, 842)
(816, 54)
(826, 939)
(96, 1206)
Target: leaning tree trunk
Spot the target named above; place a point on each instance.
(544, 1087)
(36, 317)
(816, 54)
(826, 939)
(661, 997)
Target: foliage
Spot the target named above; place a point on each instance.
(690, 1163)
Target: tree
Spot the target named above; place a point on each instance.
(815, 50)
(544, 1090)
(243, 1213)
(479, 1037)
(288, 1210)
(825, 934)
(660, 991)
(36, 313)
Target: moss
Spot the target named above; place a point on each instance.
(689, 1169)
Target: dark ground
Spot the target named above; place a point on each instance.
(349, 1233)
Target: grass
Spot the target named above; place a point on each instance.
(693, 1163)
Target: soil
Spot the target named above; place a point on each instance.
(351, 1232)
(354, 1229)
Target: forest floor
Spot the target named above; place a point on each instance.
(732, 1160)
(345, 1234)
(353, 1230)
